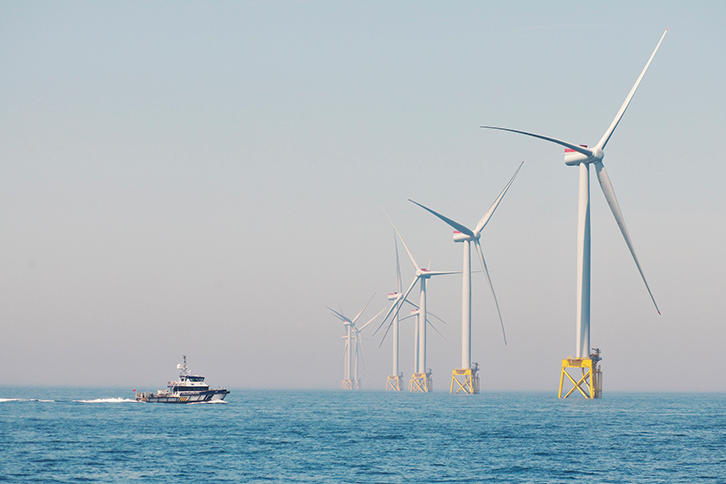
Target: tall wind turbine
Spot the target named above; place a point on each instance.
(352, 339)
(582, 156)
(421, 380)
(465, 377)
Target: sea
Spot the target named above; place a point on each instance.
(52, 435)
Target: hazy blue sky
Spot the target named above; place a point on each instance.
(204, 177)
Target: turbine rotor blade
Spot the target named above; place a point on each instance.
(434, 327)
(390, 310)
(398, 265)
(416, 306)
(578, 148)
(429, 312)
(483, 222)
(371, 320)
(359, 349)
(412, 304)
(432, 314)
(607, 190)
(385, 334)
(491, 286)
(342, 360)
(410, 255)
(361, 311)
(452, 223)
(338, 315)
(606, 137)
(440, 273)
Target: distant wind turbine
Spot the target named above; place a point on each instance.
(467, 236)
(352, 344)
(421, 378)
(394, 382)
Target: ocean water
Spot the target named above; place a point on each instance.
(102, 435)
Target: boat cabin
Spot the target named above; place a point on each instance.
(188, 383)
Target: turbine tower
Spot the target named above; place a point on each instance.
(395, 380)
(352, 343)
(358, 349)
(465, 377)
(421, 380)
(582, 156)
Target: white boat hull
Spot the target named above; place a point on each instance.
(183, 397)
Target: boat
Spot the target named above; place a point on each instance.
(188, 389)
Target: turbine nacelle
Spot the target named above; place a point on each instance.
(462, 237)
(574, 157)
(392, 296)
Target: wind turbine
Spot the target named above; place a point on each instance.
(421, 379)
(582, 156)
(394, 382)
(465, 377)
(352, 340)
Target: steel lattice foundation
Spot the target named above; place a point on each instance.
(590, 377)
(394, 383)
(421, 382)
(465, 380)
(350, 384)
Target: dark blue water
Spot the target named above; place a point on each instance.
(93, 435)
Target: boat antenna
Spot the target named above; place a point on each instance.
(183, 367)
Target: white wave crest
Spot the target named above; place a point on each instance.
(107, 400)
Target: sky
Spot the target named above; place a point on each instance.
(205, 177)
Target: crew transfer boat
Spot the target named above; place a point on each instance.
(189, 389)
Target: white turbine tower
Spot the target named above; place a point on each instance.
(352, 343)
(421, 380)
(395, 381)
(465, 377)
(358, 351)
(582, 156)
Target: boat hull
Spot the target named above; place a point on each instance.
(183, 397)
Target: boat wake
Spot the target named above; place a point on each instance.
(107, 400)
(99, 400)
(3, 400)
